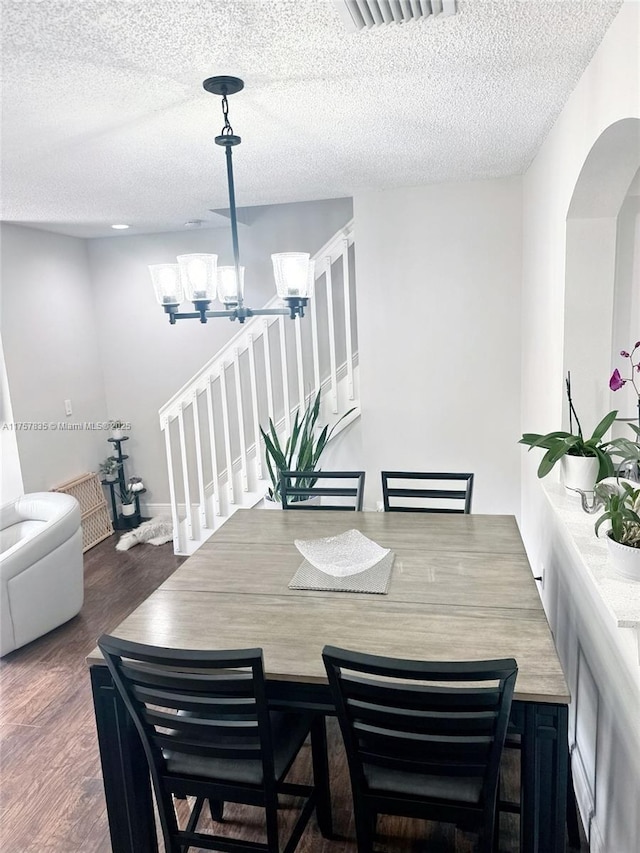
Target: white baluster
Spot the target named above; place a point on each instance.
(347, 316)
(285, 375)
(314, 343)
(332, 338)
(196, 428)
(172, 486)
(254, 406)
(212, 445)
(185, 471)
(267, 368)
(298, 330)
(227, 434)
(243, 442)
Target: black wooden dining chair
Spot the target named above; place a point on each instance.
(423, 739)
(439, 492)
(301, 490)
(207, 732)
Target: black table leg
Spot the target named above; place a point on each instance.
(124, 771)
(321, 776)
(545, 754)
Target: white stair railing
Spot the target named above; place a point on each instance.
(268, 369)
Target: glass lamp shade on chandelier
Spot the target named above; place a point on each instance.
(198, 278)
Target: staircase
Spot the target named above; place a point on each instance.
(272, 367)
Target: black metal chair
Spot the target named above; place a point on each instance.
(207, 732)
(420, 741)
(432, 497)
(298, 487)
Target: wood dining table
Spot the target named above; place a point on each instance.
(461, 589)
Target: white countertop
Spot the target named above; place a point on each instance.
(620, 595)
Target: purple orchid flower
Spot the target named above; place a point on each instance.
(616, 382)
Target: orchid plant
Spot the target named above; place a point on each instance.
(558, 444)
(621, 510)
(628, 450)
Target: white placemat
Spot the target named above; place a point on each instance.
(374, 580)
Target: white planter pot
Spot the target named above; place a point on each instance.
(118, 434)
(111, 478)
(128, 509)
(269, 504)
(579, 472)
(624, 559)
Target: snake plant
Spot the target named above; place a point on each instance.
(301, 451)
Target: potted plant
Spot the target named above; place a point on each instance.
(117, 429)
(584, 461)
(301, 451)
(136, 485)
(109, 469)
(622, 511)
(128, 495)
(128, 500)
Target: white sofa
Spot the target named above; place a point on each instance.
(41, 571)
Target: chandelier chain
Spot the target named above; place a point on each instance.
(227, 130)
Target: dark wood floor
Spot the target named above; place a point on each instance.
(51, 796)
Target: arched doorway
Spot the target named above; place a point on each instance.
(601, 262)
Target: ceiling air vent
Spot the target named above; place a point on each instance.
(368, 14)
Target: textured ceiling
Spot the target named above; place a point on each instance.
(105, 119)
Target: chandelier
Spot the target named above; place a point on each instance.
(198, 278)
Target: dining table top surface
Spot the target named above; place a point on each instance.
(461, 589)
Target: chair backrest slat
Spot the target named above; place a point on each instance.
(427, 697)
(417, 746)
(235, 752)
(299, 488)
(201, 704)
(229, 684)
(425, 768)
(423, 721)
(426, 499)
(199, 727)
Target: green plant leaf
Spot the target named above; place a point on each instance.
(606, 516)
(605, 465)
(530, 437)
(547, 440)
(555, 452)
(603, 426)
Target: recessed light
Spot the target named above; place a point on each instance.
(120, 227)
(193, 223)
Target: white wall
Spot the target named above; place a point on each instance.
(51, 350)
(607, 93)
(438, 284)
(626, 307)
(588, 312)
(145, 360)
(11, 485)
